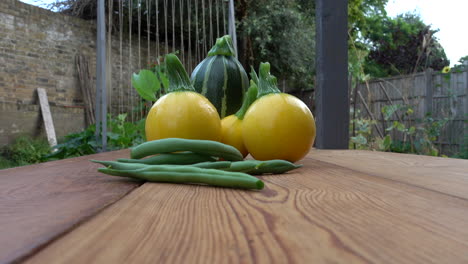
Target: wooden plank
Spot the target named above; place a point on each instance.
(40, 202)
(47, 117)
(445, 175)
(87, 91)
(332, 99)
(322, 213)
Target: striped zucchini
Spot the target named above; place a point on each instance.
(221, 78)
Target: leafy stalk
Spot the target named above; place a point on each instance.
(266, 81)
(222, 47)
(178, 78)
(249, 98)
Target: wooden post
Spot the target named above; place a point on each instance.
(332, 104)
(47, 117)
(428, 100)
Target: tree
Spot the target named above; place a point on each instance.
(281, 33)
(462, 63)
(402, 45)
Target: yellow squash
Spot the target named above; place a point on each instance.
(182, 113)
(277, 125)
(231, 126)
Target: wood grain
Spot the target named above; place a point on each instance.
(449, 176)
(40, 202)
(322, 213)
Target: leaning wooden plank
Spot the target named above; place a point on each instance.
(321, 213)
(40, 202)
(46, 116)
(85, 86)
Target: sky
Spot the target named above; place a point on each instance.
(449, 16)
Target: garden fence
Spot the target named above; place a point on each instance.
(429, 94)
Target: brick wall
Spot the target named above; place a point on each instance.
(38, 49)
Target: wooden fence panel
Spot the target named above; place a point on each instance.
(428, 93)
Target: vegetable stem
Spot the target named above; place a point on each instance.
(266, 81)
(177, 75)
(222, 47)
(249, 98)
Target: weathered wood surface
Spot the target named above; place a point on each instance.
(40, 202)
(448, 176)
(47, 116)
(321, 213)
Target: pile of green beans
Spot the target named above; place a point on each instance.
(179, 160)
(252, 167)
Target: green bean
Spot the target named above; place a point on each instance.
(204, 147)
(275, 167)
(172, 158)
(188, 174)
(246, 166)
(135, 166)
(255, 167)
(220, 165)
(121, 165)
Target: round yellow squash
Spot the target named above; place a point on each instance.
(183, 114)
(278, 126)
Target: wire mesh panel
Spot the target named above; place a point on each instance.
(141, 32)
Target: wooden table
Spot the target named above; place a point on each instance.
(343, 206)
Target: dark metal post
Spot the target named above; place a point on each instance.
(101, 95)
(332, 99)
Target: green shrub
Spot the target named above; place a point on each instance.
(120, 134)
(23, 151)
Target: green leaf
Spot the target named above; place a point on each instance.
(359, 140)
(113, 136)
(122, 117)
(390, 128)
(164, 80)
(401, 127)
(387, 142)
(147, 84)
(412, 130)
(389, 110)
(434, 152)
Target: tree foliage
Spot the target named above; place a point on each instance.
(402, 45)
(282, 33)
